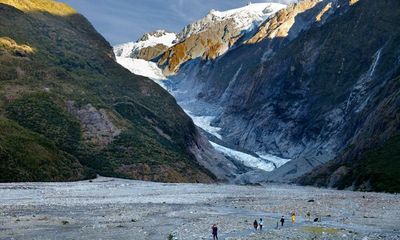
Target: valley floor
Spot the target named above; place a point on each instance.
(107, 208)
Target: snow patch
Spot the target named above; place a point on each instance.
(204, 122)
(149, 40)
(377, 57)
(276, 160)
(142, 67)
(252, 8)
(247, 159)
(244, 17)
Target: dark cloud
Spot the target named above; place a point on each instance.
(126, 20)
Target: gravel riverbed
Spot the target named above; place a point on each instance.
(108, 208)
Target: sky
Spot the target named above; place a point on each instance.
(121, 21)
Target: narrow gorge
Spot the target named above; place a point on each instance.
(284, 90)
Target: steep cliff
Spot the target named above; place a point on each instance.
(316, 79)
(371, 162)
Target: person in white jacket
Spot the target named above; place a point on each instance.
(261, 223)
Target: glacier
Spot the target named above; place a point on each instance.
(246, 159)
(245, 18)
(204, 122)
(142, 68)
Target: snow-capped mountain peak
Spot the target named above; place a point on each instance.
(158, 37)
(151, 39)
(259, 9)
(244, 17)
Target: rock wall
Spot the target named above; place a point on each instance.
(306, 86)
(97, 127)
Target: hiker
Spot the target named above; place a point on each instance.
(293, 218)
(261, 223)
(282, 221)
(215, 232)
(255, 224)
(309, 216)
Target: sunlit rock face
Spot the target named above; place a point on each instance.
(284, 24)
(215, 34)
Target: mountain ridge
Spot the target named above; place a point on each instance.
(62, 91)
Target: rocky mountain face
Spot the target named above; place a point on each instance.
(229, 83)
(213, 35)
(244, 166)
(317, 83)
(310, 92)
(68, 111)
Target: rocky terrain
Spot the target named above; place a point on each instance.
(109, 208)
(315, 82)
(300, 103)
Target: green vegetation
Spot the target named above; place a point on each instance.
(9, 45)
(39, 113)
(374, 170)
(49, 55)
(377, 170)
(27, 156)
(170, 237)
(49, 6)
